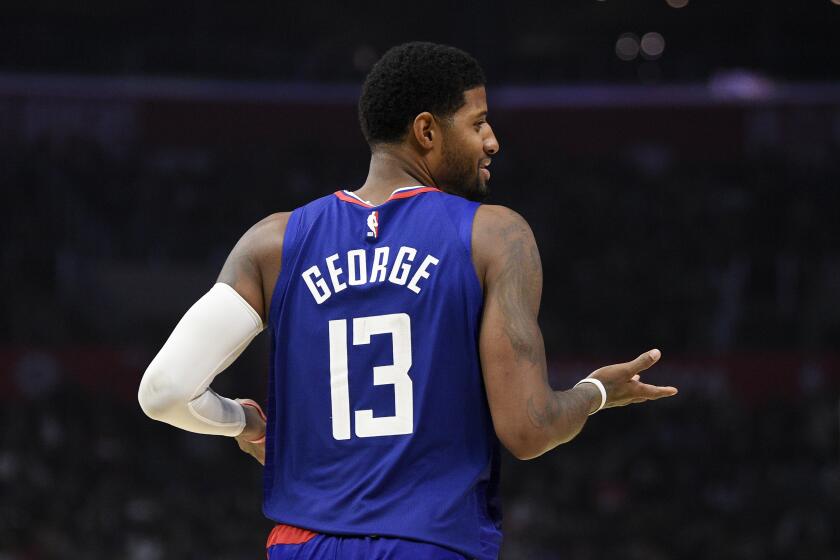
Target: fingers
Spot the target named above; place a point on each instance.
(255, 450)
(645, 361)
(258, 453)
(646, 393)
(649, 392)
(653, 392)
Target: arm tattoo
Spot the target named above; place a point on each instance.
(574, 406)
(238, 267)
(520, 287)
(542, 416)
(513, 280)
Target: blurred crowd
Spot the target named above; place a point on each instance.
(515, 42)
(695, 477)
(87, 477)
(103, 251)
(711, 233)
(695, 256)
(690, 478)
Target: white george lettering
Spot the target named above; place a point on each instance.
(356, 267)
(400, 270)
(358, 273)
(319, 288)
(378, 272)
(421, 273)
(337, 284)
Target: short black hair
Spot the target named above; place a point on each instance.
(412, 78)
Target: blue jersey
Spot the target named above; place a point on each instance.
(378, 419)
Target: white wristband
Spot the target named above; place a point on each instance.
(601, 388)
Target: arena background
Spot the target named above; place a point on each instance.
(678, 162)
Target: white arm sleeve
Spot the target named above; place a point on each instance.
(176, 386)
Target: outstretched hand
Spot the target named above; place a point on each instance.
(623, 384)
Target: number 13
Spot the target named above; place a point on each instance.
(398, 325)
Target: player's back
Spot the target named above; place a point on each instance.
(379, 418)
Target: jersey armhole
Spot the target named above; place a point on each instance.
(290, 250)
(462, 218)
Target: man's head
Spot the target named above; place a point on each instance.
(430, 99)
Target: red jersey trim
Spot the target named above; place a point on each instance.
(402, 194)
(406, 194)
(347, 198)
(288, 534)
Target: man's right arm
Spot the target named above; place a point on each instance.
(176, 386)
(529, 417)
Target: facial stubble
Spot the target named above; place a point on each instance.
(464, 177)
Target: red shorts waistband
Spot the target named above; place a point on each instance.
(289, 534)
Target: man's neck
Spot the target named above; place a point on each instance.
(390, 170)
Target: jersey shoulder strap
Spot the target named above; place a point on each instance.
(299, 220)
(462, 213)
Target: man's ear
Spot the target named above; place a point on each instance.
(425, 130)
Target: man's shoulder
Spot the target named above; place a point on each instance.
(263, 242)
(497, 232)
(274, 220)
(496, 216)
(267, 235)
(270, 229)
(494, 224)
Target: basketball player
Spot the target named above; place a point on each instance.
(404, 338)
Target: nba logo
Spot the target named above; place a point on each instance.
(373, 225)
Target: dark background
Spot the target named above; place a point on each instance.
(685, 199)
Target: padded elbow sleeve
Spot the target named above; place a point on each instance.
(176, 386)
